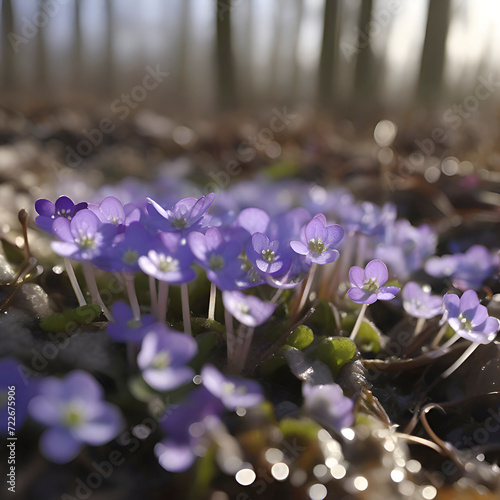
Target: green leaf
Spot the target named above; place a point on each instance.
(300, 338)
(201, 325)
(368, 338)
(66, 321)
(281, 170)
(307, 429)
(274, 363)
(322, 320)
(205, 471)
(335, 352)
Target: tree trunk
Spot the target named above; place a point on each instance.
(430, 81)
(329, 53)
(76, 57)
(225, 64)
(365, 84)
(108, 84)
(8, 50)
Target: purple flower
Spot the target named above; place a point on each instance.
(233, 392)
(467, 270)
(185, 425)
(124, 255)
(253, 220)
(218, 256)
(469, 318)
(367, 283)
(406, 247)
(319, 240)
(125, 328)
(367, 218)
(328, 405)
(84, 237)
(269, 257)
(49, 212)
(186, 215)
(10, 375)
(112, 211)
(420, 303)
(189, 422)
(247, 309)
(163, 357)
(75, 413)
(171, 262)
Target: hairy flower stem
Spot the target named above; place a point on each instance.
(419, 326)
(186, 314)
(132, 295)
(211, 303)
(460, 360)
(230, 338)
(358, 322)
(245, 333)
(277, 295)
(74, 282)
(88, 272)
(307, 287)
(153, 295)
(440, 335)
(451, 341)
(162, 301)
(342, 265)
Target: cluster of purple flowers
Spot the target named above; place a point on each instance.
(251, 249)
(238, 247)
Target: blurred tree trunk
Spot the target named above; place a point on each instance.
(430, 81)
(108, 75)
(8, 54)
(245, 71)
(329, 53)
(181, 62)
(294, 85)
(76, 56)
(41, 82)
(225, 63)
(365, 82)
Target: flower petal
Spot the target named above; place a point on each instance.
(59, 446)
(361, 297)
(377, 270)
(357, 276)
(387, 292)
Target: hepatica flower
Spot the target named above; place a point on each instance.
(328, 405)
(218, 256)
(49, 212)
(368, 283)
(269, 257)
(84, 237)
(419, 302)
(163, 357)
(170, 262)
(189, 422)
(125, 328)
(319, 241)
(186, 215)
(112, 211)
(467, 270)
(469, 318)
(247, 309)
(233, 392)
(74, 410)
(10, 375)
